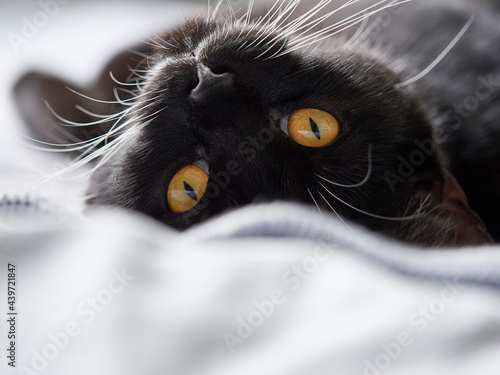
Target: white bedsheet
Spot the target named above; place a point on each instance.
(271, 289)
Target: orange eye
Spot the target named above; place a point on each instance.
(312, 127)
(187, 188)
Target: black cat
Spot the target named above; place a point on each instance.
(362, 117)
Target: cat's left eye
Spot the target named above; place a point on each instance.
(312, 127)
(186, 188)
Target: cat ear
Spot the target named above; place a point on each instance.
(56, 111)
(449, 219)
(49, 107)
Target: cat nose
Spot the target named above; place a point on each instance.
(210, 83)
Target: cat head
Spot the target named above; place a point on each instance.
(233, 112)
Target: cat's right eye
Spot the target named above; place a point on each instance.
(312, 127)
(186, 188)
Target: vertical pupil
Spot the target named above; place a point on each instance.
(190, 191)
(314, 128)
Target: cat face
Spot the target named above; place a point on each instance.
(230, 114)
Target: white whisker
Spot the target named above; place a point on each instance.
(141, 54)
(214, 13)
(165, 43)
(404, 218)
(97, 100)
(92, 114)
(249, 11)
(302, 23)
(72, 123)
(358, 33)
(364, 181)
(117, 96)
(314, 200)
(231, 10)
(440, 57)
(137, 83)
(266, 30)
(335, 212)
(131, 93)
(337, 27)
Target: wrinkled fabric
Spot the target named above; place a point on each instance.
(269, 289)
